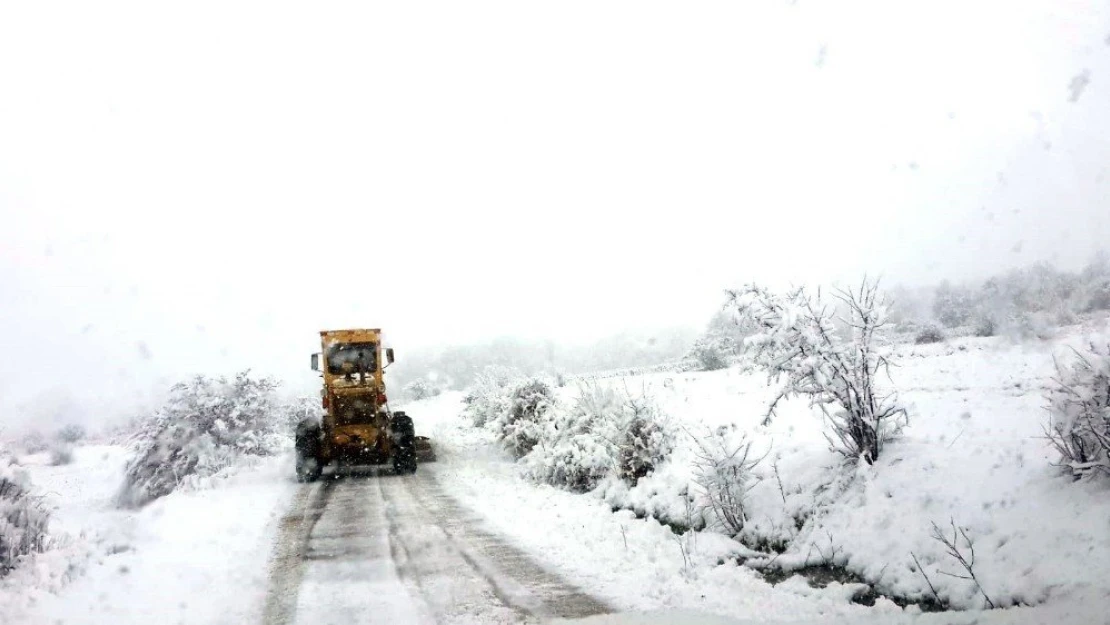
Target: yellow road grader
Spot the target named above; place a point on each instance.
(357, 428)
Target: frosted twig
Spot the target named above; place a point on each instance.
(953, 548)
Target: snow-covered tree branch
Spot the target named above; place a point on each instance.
(798, 343)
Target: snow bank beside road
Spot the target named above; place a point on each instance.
(191, 557)
(973, 452)
(632, 564)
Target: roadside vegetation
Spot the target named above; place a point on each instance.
(207, 427)
(833, 353)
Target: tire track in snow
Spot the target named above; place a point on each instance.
(287, 563)
(518, 578)
(435, 565)
(349, 573)
(385, 548)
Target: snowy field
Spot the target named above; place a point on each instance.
(973, 453)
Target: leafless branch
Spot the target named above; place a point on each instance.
(778, 478)
(921, 569)
(953, 548)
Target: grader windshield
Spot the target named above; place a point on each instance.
(352, 358)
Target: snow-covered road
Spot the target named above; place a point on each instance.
(377, 547)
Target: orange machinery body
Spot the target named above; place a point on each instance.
(355, 427)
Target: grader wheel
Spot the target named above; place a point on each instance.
(309, 465)
(404, 439)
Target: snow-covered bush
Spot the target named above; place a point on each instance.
(294, 410)
(1096, 295)
(420, 389)
(489, 397)
(645, 440)
(34, 442)
(576, 448)
(721, 341)
(953, 305)
(984, 325)
(205, 426)
(61, 453)
(1026, 325)
(71, 433)
(601, 434)
(520, 427)
(723, 472)
(796, 340)
(929, 334)
(24, 520)
(1094, 291)
(1079, 411)
(711, 354)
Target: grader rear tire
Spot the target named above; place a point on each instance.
(309, 465)
(404, 441)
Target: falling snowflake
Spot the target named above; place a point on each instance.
(1078, 84)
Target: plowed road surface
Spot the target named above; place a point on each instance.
(381, 548)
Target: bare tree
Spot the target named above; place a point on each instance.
(797, 342)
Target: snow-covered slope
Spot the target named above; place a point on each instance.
(190, 557)
(973, 454)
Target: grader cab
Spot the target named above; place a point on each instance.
(357, 428)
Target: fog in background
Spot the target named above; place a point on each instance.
(203, 187)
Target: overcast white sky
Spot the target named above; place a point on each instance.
(202, 186)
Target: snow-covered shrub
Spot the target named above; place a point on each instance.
(601, 434)
(61, 453)
(205, 426)
(796, 341)
(953, 305)
(711, 354)
(1026, 325)
(294, 410)
(1079, 411)
(721, 341)
(489, 397)
(1096, 295)
(645, 440)
(723, 472)
(420, 389)
(1095, 283)
(984, 325)
(576, 448)
(520, 427)
(71, 433)
(930, 333)
(34, 442)
(24, 520)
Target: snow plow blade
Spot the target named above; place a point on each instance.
(424, 450)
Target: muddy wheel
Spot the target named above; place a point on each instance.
(404, 440)
(308, 451)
